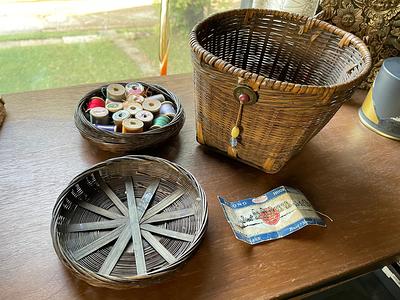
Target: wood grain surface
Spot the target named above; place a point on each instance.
(346, 171)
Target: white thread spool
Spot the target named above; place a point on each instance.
(108, 101)
(159, 97)
(115, 92)
(132, 99)
(134, 108)
(99, 115)
(146, 117)
(152, 105)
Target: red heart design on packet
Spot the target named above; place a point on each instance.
(270, 216)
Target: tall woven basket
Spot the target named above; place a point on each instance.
(266, 82)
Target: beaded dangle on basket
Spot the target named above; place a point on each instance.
(246, 96)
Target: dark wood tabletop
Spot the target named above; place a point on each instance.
(346, 171)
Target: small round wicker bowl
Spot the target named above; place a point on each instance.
(121, 143)
(129, 221)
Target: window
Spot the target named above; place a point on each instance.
(49, 44)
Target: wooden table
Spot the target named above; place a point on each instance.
(346, 171)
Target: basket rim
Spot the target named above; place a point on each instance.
(111, 280)
(259, 80)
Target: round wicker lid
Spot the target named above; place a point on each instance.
(129, 221)
(121, 143)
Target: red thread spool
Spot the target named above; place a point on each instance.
(95, 102)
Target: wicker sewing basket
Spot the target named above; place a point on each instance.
(296, 71)
(118, 142)
(129, 221)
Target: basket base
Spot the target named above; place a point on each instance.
(381, 130)
(213, 149)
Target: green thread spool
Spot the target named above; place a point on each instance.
(113, 107)
(160, 121)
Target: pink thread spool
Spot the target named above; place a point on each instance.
(134, 88)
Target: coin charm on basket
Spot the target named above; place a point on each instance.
(245, 95)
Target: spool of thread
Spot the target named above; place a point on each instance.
(115, 92)
(152, 105)
(108, 101)
(95, 102)
(135, 99)
(113, 107)
(160, 121)
(99, 115)
(159, 97)
(134, 108)
(134, 88)
(118, 117)
(146, 117)
(167, 108)
(132, 125)
(130, 100)
(110, 128)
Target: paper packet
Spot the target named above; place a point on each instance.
(270, 216)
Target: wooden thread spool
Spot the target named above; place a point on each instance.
(115, 92)
(167, 108)
(108, 101)
(134, 88)
(134, 108)
(99, 115)
(118, 117)
(113, 107)
(152, 105)
(160, 121)
(146, 117)
(134, 99)
(132, 125)
(159, 97)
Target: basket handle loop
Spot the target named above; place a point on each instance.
(345, 41)
(307, 26)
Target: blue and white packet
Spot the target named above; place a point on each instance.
(270, 216)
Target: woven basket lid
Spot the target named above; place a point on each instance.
(128, 221)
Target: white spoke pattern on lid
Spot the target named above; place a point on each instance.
(134, 223)
(110, 193)
(135, 229)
